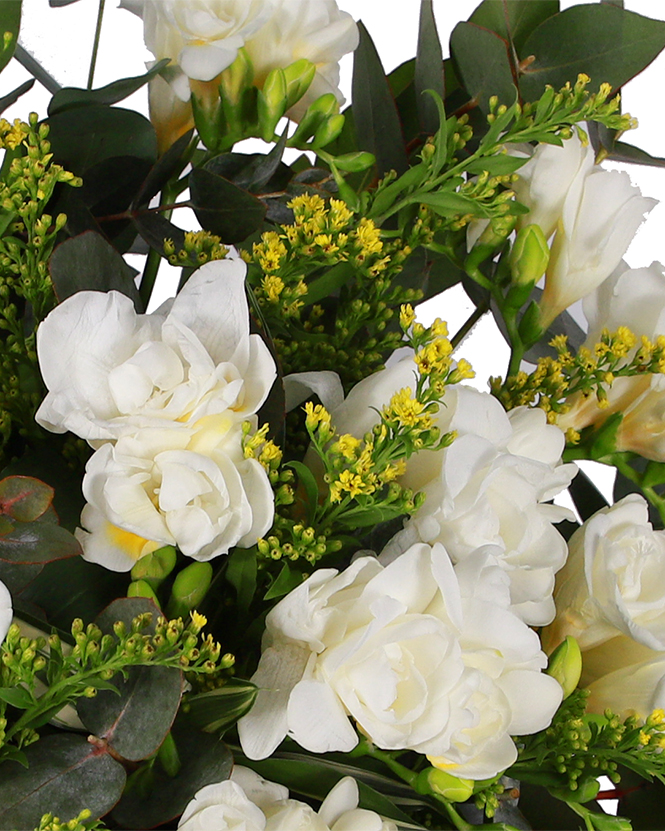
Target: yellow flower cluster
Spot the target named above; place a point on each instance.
(618, 354)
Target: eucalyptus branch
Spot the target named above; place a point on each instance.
(95, 45)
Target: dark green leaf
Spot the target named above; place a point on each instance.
(586, 496)
(69, 97)
(607, 43)
(241, 574)
(328, 284)
(285, 582)
(205, 760)
(623, 152)
(66, 774)
(110, 186)
(17, 696)
(24, 498)
(223, 208)
(126, 609)
(254, 172)
(216, 710)
(375, 116)
(13, 96)
(135, 722)
(155, 228)
(315, 777)
(89, 263)
(10, 23)
(513, 19)
(482, 64)
(309, 483)
(369, 516)
(16, 576)
(37, 542)
(163, 170)
(85, 136)
(67, 589)
(429, 69)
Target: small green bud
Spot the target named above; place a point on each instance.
(565, 665)
(155, 567)
(236, 78)
(271, 103)
(298, 76)
(587, 789)
(354, 162)
(530, 256)
(141, 588)
(189, 589)
(433, 780)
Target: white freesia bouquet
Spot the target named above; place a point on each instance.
(418, 612)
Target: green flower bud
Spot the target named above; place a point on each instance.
(530, 256)
(155, 567)
(236, 78)
(433, 780)
(141, 588)
(587, 789)
(354, 162)
(298, 77)
(271, 103)
(606, 822)
(329, 130)
(565, 665)
(189, 589)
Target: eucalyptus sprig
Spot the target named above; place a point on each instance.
(73, 673)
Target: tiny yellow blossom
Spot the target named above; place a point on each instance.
(273, 286)
(198, 620)
(316, 415)
(347, 446)
(406, 409)
(440, 328)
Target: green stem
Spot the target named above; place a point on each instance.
(366, 748)
(95, 46)
(469, 323)
(459, 823)
(149, 276)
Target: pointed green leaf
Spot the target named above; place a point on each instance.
(112, 93)
(13, 96)
(377, 124)
(609, 44)
(429, 69)
(241, 573)
(309, 483)
(216, 710)
(17, 697)
(65, 775)
(482, 64)
(285, 582)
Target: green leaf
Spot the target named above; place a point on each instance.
(329, 284)
(69, 97)
(66, 774)
(373, 515)
(309, 483)
(513, 19)
(37, 542)
(623, 152)
(241, 573)
(223, 208)
(85, 136)
(315, 777)
(607, 43)
(10, 23)
(16, 576)
(285, 582)
(482, 64)
(17, 697)
(375, 116)
(429, 69)
(500, 165)
(135, 722)
(450, 203)
(163, 170)
(205, 760)
(24, 498)
(88, 263)
(216, 710)
(254, 172)
(13, 96)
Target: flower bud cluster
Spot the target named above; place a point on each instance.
(293, 541)
(590, 371)
(80, 823)
(25, 248)
(200, 247)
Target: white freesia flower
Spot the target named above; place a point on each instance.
(490, 486)
(614, 580)
(190, 488)
(312, 29)
(594, 212)
(5, 611)
(248, 802)
(201, 36)
(422, 656)
(110, 371)
(635, 688)
(632, 297)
